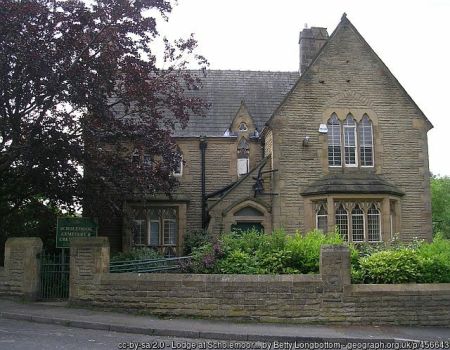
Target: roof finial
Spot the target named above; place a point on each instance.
(344, 16)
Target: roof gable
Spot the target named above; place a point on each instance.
(322, 55)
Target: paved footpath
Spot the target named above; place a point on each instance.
(63, 314)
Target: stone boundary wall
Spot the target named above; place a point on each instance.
(20, 276)
(328, 297)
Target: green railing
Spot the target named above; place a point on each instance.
(150, 265)
(55, 271)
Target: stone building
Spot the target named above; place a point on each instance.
(340, 144)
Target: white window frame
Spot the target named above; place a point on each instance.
(333, 127)
(378, 215)
(360, 126)
(142, 233)
(169, 222)
(363, 215)
(180, 173)
(355, 134)
(322, 206)
(346, 219)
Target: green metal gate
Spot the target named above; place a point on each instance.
(55, 272)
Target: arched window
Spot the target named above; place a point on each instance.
(322, 219)
(342, 222)
(334, 141)
(179, 169)
(243, 152)
(373, 224)
(350, 141)
(357, 224)
(366, 141)
(136, 157)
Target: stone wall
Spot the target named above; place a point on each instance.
(20, 275)
(328, 297)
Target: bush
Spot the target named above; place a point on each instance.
(195, 239)
(391, 266)
(304, 251)
(404, 262)
(252, 252)
(435, 261)
(136, 254)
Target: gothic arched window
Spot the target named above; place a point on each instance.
(342, 222)
(179, 169)
(322, 219)
(357, 224)
(373, 224)
(366, 141)
(350, 141)
(243, 153)
(334, 141)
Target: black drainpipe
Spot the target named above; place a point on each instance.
(203, 145)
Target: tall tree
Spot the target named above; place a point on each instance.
(440, 204)
(81, 84)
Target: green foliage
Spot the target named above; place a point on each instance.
(195, 239)
(404, 262)
(440, 204)
(238, 261)
(305, 250)
(34, 219)
(391, 266)
(136, 254)
(435, 260)
(252, 252)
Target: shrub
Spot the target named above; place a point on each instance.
(252, 252)
(136, 254)
(391, 266)
(238, 261)
(304, 251)
(399, 262)
(435, 261)
(195, 239)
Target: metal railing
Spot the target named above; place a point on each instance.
(149, 265)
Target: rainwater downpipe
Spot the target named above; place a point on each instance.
(203, 145)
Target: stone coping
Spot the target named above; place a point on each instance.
(208, 278)
(398, 289)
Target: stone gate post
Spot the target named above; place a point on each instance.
(335, 268)
(89, 258)
(22, 267)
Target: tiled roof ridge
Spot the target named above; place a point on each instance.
(244, 71)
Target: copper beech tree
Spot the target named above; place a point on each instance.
(83, 88)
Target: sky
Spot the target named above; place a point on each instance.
(411, 37)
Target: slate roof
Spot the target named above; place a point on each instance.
(352, 182)
(224, 90)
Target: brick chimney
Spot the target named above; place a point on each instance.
(311, 41)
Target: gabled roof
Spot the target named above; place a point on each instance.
(346, 22)
(224, 90)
